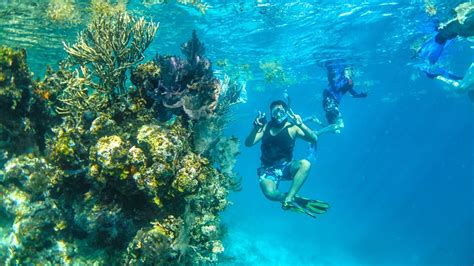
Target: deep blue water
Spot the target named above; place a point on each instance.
(399, 177)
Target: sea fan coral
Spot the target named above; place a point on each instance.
(186, 85)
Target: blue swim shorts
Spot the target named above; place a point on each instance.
(276, 173)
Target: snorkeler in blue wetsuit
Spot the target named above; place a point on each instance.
(340, 82)
(462, 25)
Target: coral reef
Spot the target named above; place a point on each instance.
(121, 178)
(24, 112)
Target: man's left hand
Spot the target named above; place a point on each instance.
(298, 120)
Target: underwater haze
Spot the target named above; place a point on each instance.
(399, 177)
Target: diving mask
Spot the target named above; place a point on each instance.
(279, 115)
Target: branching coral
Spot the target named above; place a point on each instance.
(53, 83)
(111, 45)
(75, 98)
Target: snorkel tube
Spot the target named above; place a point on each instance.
(289, 111)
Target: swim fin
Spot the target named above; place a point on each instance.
(431, 50)
(439, 73)
(307, 206)
(315, 206)
(294, 206)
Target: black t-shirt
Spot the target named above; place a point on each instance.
(278, 148)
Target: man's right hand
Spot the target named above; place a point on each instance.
(260, 120)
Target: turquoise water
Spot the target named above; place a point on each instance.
(399, 177)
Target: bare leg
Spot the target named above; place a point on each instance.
(300, 170)
(270, 190)
(329, 128)
(333, 128)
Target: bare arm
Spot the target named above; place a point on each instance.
(255, 135)
(303, 131)
(356, 94)
(306, 133)
(329, 128)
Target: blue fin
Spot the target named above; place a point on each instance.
(431, 50)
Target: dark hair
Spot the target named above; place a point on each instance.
(278, 102)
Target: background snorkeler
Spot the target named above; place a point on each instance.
(339, 75)
(462, 25)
